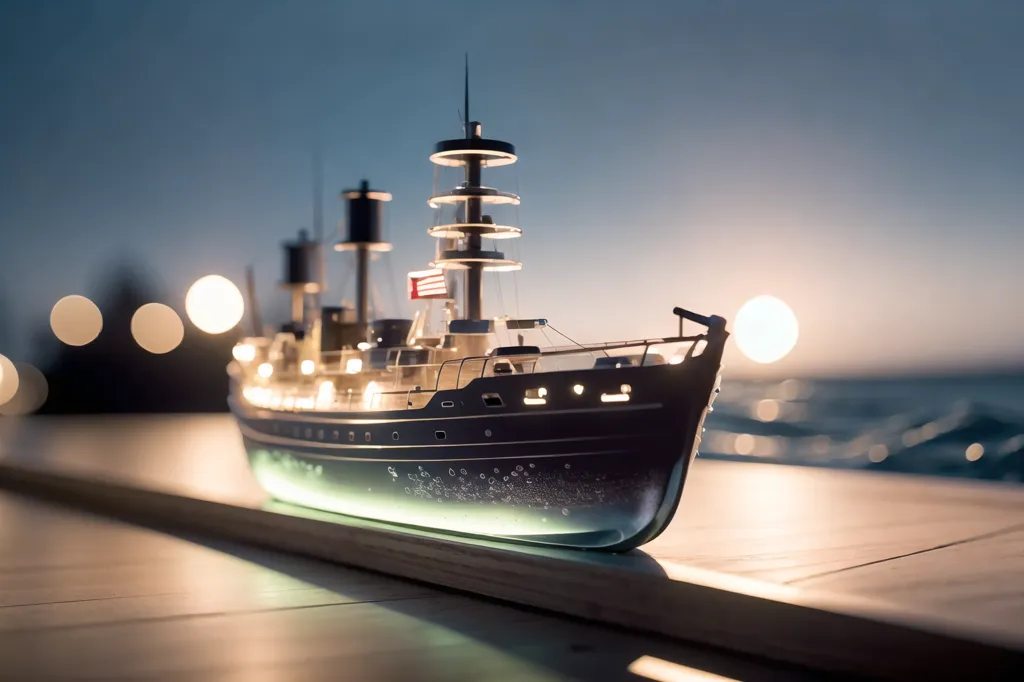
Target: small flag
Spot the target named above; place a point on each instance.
(427, 284)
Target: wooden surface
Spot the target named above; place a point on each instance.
(87, 598)
(796, 531)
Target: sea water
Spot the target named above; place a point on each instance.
(966, 426)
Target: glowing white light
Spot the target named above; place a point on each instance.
(625, 388)
(157, 328)
(535, 396)
(8, 380)
(214, 304)
(76, 320)
(489, 158)
(353, 366)
(578, 389)
(363, 345)
(244, 352)
(614, 397)
(325, 395)
(369, 392)
(676, 360)
(265, 370)
(661, 670)
(766, 329)
(307, 367)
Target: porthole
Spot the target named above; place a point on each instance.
(493, 400)
(447, 403)
(320, 434)
(366, 436)
(335, 435)
(394, 435)
(351, 436)
(440, 435)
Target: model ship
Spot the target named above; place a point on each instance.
(584, 446)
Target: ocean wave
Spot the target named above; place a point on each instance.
(899, 427)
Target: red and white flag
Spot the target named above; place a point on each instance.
(427, 284)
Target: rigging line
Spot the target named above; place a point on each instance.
(376, 300)
(545, 335)
(391, 282)
(344, 284)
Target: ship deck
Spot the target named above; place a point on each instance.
(866, 573)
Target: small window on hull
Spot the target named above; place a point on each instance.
(493, 400)
(440, 435)
(447, 403)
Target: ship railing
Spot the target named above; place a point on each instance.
(411, 383)
(458, 373)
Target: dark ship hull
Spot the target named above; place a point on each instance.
(574, 472)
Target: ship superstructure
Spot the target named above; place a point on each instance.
(583, 446)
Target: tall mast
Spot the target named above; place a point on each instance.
(473, 153)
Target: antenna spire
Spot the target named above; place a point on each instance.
(465, 111)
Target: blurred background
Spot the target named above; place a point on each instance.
(839, 180)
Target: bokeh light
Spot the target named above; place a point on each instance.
(744, 444)
(214, 304)
(766, 329)
(8, 380)
(878, 453)
(76, 320)
(157, 328)
(244, 352)
(974, 452)
(767, 410)
(31, 392)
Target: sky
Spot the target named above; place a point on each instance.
(862, 161)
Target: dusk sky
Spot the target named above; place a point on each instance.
(863, 161)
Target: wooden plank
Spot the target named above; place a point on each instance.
(439, 638)
(785, 524)
(981, 577)
(751, 617)
(240, 613)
